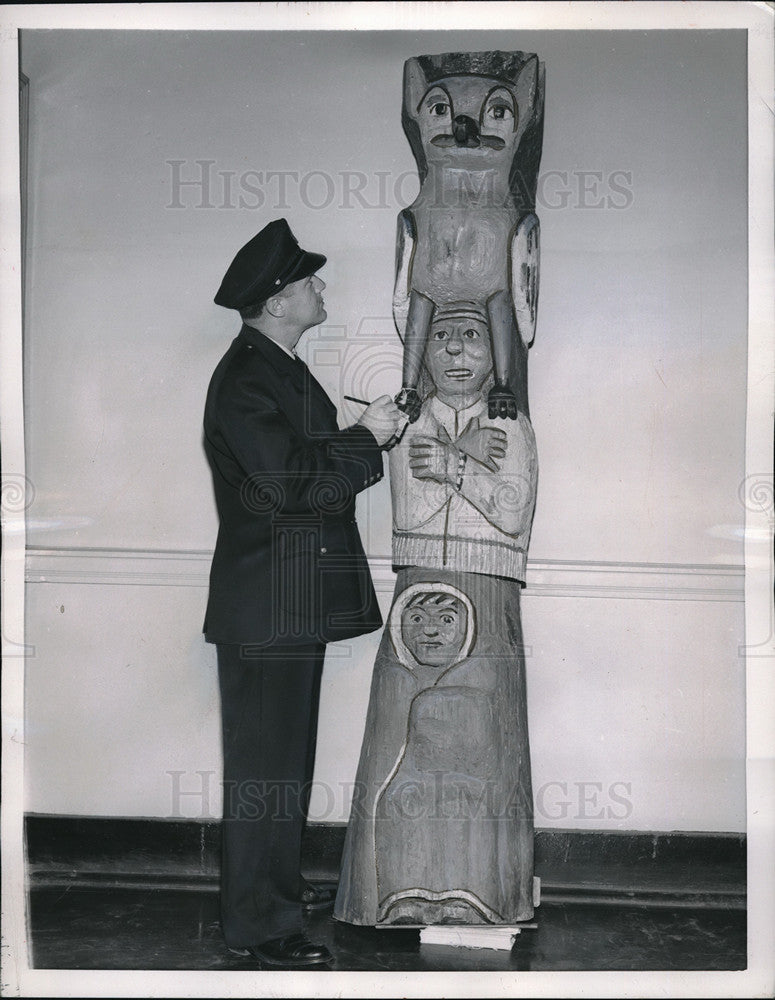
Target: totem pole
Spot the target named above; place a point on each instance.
(441, 830)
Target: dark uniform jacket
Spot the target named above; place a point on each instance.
(289, 565)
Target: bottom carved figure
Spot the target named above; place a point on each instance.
(441, 829)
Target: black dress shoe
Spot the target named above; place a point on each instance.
(295, 949)
(317, 897)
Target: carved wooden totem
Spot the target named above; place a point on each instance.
(441, 830)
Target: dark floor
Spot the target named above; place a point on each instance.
(142, 928)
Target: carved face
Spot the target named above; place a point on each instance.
(471, 120)
(470, 111)
(433, 626)
(458, 358)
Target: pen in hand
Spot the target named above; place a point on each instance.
(396, 436)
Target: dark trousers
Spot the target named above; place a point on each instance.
(269, 714)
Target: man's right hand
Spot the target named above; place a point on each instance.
(383, 418)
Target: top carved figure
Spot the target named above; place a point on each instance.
(475, 125)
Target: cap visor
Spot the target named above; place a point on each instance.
(308, 264)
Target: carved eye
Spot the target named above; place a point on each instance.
(439, 335)
(439, 109)
(448, 619)
(437, 103)
(415, 619)
(471, 334)
(500, 112)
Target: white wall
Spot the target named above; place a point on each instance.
(634, 608)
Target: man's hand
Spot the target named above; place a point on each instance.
(430, 458)
(485, 444)
(383, 419)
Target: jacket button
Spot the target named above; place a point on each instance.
(323, 550)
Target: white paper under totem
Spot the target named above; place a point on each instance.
(441, 830)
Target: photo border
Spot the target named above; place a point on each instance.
(757, 18)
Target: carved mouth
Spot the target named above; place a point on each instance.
(459, 374)
(485, 142)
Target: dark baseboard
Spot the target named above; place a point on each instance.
(601, 867)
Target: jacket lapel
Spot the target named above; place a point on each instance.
(304, 401)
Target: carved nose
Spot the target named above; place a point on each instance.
(465, 131)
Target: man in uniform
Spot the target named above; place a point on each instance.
(288, 575)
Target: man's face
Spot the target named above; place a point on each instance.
(304, 302)
(434, 631)
(458, 357)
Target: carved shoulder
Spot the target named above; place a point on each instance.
(406, 240)
(525, 264)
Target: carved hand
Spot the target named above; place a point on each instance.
(409, 402)
(485, 444)
(502, 402)
(430, 458)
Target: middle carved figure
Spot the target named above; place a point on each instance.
(441, 827)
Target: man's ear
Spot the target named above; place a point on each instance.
(275, 306)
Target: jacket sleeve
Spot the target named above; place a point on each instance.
(276, 469)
